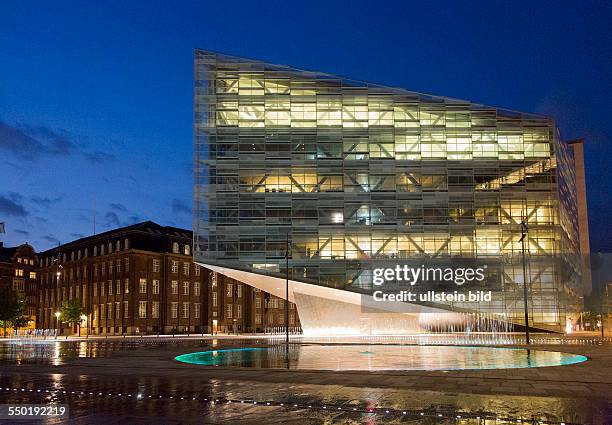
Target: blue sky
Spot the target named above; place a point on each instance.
(96, 99)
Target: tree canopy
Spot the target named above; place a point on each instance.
(71, 311)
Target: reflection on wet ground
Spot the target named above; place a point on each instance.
(167, 399)
(97, 399)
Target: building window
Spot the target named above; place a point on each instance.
(142, 309)
(118, 286)
(102, 308)
(155, 266)
(95, 251)
(155, 286)
(125, 310)
(258, 319)
(174, 287)
(185, 310)
(291, 319)
(18, 272)
(175, 248)
(18, 285)
(118, 246)
(95, 289)
(127, 286)
(196, 310)
(187, 250)
(117, 310)
(196, 269)
(173, 309)
(155, 309)
(110, 287)
(32, 275)
(103, 269)
(126, 243)
(239, 290)
(127, 264)
(174, 266)
(229, 288)
(215, 300)
(196, 289)
(109, 311)
(257, 302)
(185, 288)
(102, 289)
(229, 310)
(186, 269)
(118, 266)
(143, 286)
(238, 311)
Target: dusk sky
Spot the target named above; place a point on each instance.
(96, 100)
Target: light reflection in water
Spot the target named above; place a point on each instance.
(382, 357)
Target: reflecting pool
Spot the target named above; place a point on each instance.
(381, 357)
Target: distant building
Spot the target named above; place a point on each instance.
(141, 279)
(18, 270)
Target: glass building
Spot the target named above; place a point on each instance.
(355, 174)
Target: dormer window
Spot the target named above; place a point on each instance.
(175, 248)
(187, 249)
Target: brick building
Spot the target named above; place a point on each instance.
(18, 270)
(142, 279)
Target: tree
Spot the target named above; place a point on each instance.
(12, 307)
(71, 312)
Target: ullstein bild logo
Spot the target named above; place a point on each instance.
(413, 275)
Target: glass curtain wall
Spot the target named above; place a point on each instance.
(355, 173)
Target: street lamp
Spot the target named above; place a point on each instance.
(57, 315)
(524, 230)
(83, 319)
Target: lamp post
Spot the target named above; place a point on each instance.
(287, 297)
(523, 235)
(57, 315)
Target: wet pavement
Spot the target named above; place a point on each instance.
(138, 382)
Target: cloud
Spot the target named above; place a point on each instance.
(180, 207)
(118, 207)
(44, 202)
(77, 235)
(98, 157)
(133, 219)
(11, 205)
(22, 232)
(33, 142)
(112, 219)
(51, 239)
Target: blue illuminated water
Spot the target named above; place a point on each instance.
(381, 357)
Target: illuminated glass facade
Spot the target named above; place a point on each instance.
(357, 173)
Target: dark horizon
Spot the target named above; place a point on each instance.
(96, 110)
